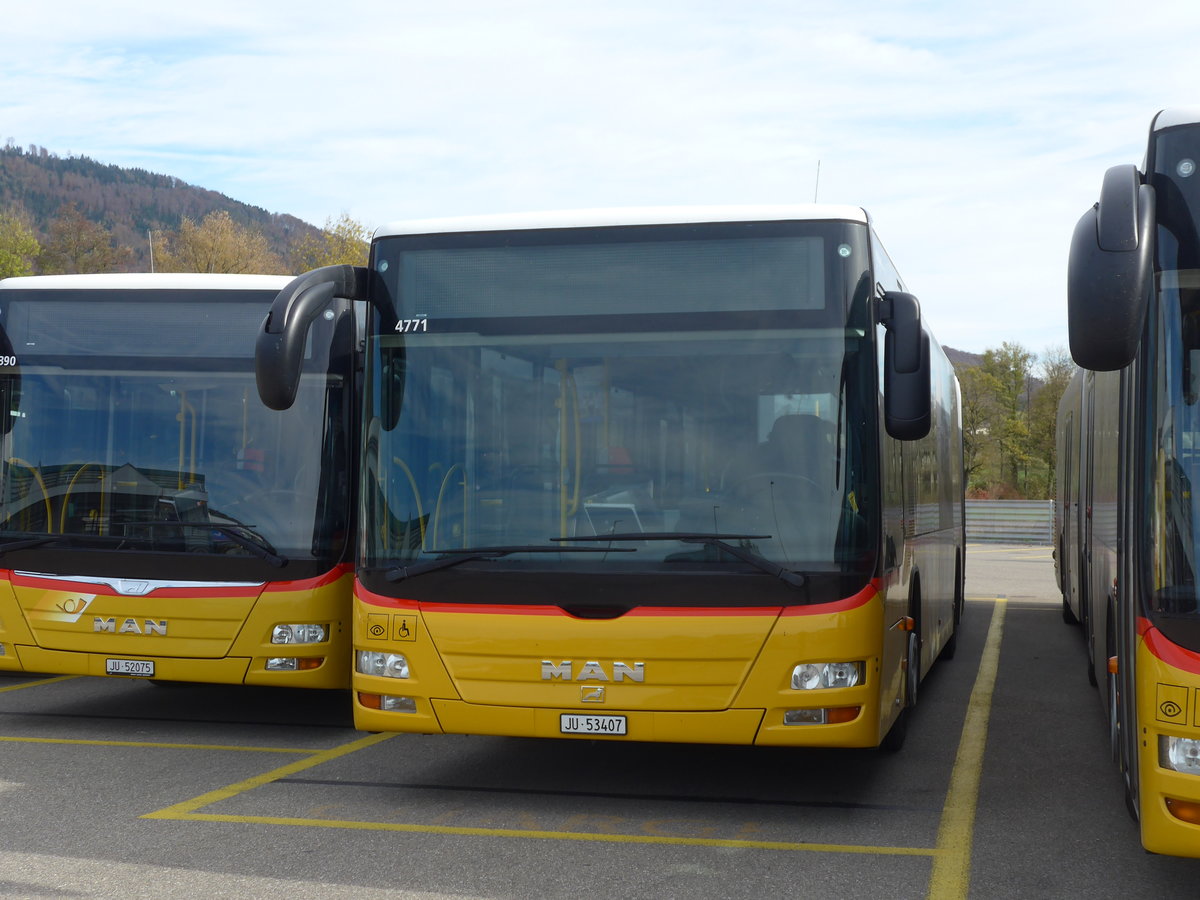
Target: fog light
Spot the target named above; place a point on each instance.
(1179, 754)
(388, 703)
(817, 676)
(294, 663)
(299, 634)
(835, 716)
(804, 717)
(389, 665)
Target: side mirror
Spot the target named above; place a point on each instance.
(907, 405)
(279, 349)
(1109, 272)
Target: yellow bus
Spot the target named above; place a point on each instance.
(651, 475)
(156, 520)
(1129, 456)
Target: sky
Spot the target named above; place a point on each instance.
(974, 134)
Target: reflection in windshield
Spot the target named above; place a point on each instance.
(1175, 468)
(169, 462)
(522, 443)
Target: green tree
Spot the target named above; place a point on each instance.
(343, 241)
(18, 245)
(1056, 368)
(1006, 379)
(217, 244)
(78, 245)
(975, 413)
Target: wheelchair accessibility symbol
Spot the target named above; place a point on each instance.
(404, 628)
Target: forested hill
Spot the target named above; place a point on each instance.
(129, 202)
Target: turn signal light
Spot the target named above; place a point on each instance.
(1184, 810)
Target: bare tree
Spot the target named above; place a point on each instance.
(217, 244)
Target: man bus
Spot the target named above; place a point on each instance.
(653, 475)
(1129, 549)
(156, 520)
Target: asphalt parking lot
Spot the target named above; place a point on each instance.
(121, 789)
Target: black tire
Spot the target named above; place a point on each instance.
(951, 646)
(1067, 615)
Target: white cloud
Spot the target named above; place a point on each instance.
(975, 136)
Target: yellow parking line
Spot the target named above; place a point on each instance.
(951, 856)
(38, 683)
(951, 875)
(187, 810)
(728, 843)
(154, 744)
(184, 809)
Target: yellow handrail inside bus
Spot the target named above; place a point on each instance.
(37, 476)
(412, 482)
(437, 509)
(66, 500)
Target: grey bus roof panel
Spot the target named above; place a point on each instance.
(644, 215)
(147, 281)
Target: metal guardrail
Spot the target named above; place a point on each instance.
(1011, 521)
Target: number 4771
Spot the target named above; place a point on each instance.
(410, 325)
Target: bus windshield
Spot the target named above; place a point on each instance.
(1173, 456)
(135, 425)
(623, 399)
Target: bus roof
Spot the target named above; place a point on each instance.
(642, 215)
(147, 281)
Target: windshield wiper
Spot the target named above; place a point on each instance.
(255, 543)
(719, 541)
(455, 557)
(26, 543)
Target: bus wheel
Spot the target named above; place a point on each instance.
(1068, 616)
(1114, 700)
(951, 645)
(1089, 641)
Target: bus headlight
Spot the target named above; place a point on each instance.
(389, 665)
(299, 634)
(1179, 754)
(818, 676)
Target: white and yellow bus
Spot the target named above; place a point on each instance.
(1129, 463)
(652, 475)
(156, 519)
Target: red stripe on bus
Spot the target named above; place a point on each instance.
(308, 584)
(863, 597)
(1167, 650)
